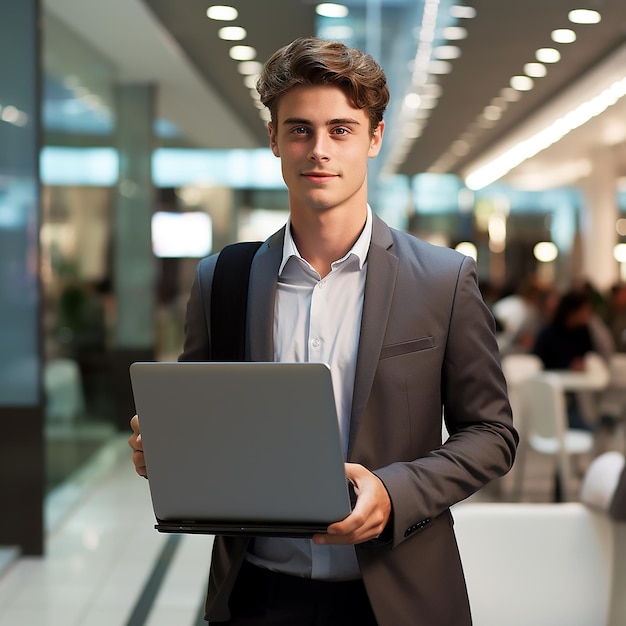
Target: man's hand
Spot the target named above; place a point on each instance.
(134, 441)
(370, 514)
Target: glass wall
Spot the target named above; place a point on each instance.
(78, 303)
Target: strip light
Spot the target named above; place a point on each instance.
(524, 150)
(573, 108)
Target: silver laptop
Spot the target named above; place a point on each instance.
(241, 448)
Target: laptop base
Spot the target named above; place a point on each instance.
(246, 530)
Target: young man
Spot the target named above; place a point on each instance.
(408, 338)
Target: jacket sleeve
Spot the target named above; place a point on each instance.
(482, 442)
(197, 344)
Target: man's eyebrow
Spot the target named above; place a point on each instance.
(305, 122)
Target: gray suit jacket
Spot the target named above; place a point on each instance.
(427, 349)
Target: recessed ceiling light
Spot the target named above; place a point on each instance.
(548, 55)
(439, 67)
(510, 94)
(232, 33)
(412, 100)
(222, 13)
(462, 12)
(584, 16)
(536, 70)
(492, 112)
(250, 67)
(447, 52)
(250, 81)
(331, 9)
(428, 102)
(454, 33)
(242, 53)
(522, 83)
(563, 35)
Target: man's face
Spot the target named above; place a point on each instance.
(324, 143)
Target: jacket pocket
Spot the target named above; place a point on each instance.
(406, 347)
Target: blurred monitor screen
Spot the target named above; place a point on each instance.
(181, 235)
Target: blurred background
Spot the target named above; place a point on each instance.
(132, 143)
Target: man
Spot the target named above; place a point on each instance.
(407, 336)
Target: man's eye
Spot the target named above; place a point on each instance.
(340, 131)
(299, 130)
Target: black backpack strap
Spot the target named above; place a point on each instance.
(229, 299)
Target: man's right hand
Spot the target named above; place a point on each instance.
(134, 441)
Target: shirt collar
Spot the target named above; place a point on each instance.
(359, 249)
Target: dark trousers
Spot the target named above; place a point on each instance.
(265, 598)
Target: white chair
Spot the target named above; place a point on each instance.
(546, 430)
(518, 368)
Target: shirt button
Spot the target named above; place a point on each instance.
(315, 343)
(321, 284)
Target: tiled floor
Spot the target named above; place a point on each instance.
(106, 566)
(101, 556)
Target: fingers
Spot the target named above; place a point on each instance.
(134, 441)
(370, 515)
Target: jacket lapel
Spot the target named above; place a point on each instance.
(382, 270)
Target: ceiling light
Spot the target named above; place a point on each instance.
(548, 55)
(522, 83)
(428, 102)
(250, 81)
(492, 113)
(461, 12)
(619, 252)
(563, 35)
(250, 67)
(412, 100)
(467, 248)
(242, 53)
(447, 52)
(330, 9)
(620, 227)
(432, 89)
(510, 94)
(500, 102)
(439, 67)
(536, 70)
(454, 33)
(584, 16)
(545, 251)
(222, 13)
(232, 33)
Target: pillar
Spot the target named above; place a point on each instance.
(134, 263)
(598, 219)
(21, 398)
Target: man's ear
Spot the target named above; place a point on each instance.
(273, 143)
(377, 140)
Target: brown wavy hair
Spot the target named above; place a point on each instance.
(312, 61)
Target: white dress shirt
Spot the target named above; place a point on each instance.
(318, 320)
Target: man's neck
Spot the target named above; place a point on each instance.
(324, 238)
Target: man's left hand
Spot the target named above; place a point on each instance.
(370, 514)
